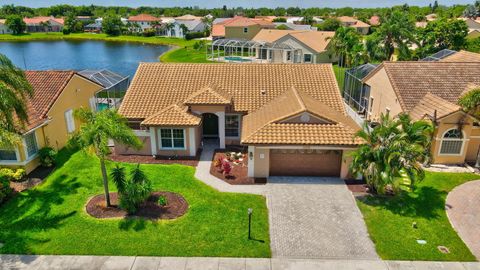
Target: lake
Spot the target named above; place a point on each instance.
(120, 57)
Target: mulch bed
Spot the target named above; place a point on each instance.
(357, 187)
(34, 178)
(188, 161)
(238, 175)
(176, 207)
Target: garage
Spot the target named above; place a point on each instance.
(299, 162)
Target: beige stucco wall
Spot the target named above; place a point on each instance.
(346, 162)
(146, 149)
(473, 144)
(383, 96)
(236, 32)
(76, 95)
(262, 162)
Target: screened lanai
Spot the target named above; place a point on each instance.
(439, 55)
(250, 51)
(115, 86)
(355, 93)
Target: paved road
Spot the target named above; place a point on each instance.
(8, 262)
(463, 210)
(314, 217)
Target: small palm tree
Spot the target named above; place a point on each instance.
(96, 130)
(133, 191)
(14, 91)
(470, 102)
(184, 29)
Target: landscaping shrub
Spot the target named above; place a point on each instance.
(14, 175)
(66, 31)
(193, 35)
(148, 33)
(47, 156)
(227, 167)
(162, 200)
(5, 189)
(134, 191)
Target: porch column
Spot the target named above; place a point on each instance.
(153, 141)
(251, 161)
(221, 128)
(192, 140)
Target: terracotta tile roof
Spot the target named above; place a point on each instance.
(156, 86)
(38, 20)
(239, 21)
(209, 95)
(188, 17)
(462, 56)
(218, 30)
(430, 104)
(412, 80)
(174, 115)
(316, 40)
(143, 18)
(374, 20)
(270, 124)
(352, 21)
(47, 87)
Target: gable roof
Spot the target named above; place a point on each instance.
(208, 95)
(352, 21)
(188, 17)
(174, 115)
(156, 86)
(462, 56)
(38, 20)
(267, 125)
(316, 40)
(239, 21)
(412, 80)
(143, 18)
(432, 104)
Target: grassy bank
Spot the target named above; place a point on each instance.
(389, 221)
(51, 218)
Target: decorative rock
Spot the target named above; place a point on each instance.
(443, 249)
(422, 242)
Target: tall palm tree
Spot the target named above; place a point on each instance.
(470, 102)
(14, 91)
(97, 129)
(392, 148)
(345, 44)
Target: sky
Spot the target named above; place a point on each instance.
(235, 3)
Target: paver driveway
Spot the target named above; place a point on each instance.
(316, 217)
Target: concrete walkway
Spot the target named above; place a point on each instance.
(202, 173)
(463, 210)
(21, 262)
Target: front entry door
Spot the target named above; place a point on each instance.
(210, 125)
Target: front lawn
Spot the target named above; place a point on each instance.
(389, 221)
(51, 218)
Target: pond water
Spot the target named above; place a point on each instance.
(120, 57)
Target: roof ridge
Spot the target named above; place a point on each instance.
(299, 99)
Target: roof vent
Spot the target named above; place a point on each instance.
(263, 91)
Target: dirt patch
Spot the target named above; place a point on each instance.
(238, 174)
(357, 187)
(188, 161)
(176, 207)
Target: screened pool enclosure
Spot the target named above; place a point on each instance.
(115, 87)
(355, 92)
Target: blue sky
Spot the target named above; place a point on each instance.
(235, 3)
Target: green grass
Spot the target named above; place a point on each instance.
(389, 221)
(340, 75)
(186, 54)
(88, 36)
(51, 218)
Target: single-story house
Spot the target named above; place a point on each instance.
(362, 28)
(290, 117)
(44, 24)
(244, 28)
(429, 90)
(50, 114)
(4, 28)
(310, 46)
(93, 27)
(173, 27)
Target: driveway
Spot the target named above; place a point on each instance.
(316, 217)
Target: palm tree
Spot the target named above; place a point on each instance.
(14, 91)
(345, 44)
(394, 148)
(470, 102)
(97, 129)
(184, 29)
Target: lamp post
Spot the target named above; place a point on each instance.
(250, 211)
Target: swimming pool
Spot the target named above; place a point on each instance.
(237, 59)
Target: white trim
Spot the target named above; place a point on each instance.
(153, 141)
(463, 139)
(191, 141)
(307, 147)
(25, 150)
(221, 128)
(141, 133)
(251, 163)
(172, 148)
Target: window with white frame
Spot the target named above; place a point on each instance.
(8, 154)
(70, 121)
(172, 138)
(307, 58)
(232, 125)
(452, 142)
(31, 144)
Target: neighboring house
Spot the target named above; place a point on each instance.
(293, 19)
(173, 27)
(462, 56)
(429, 90)
(245, 28)
(50, 114)
(374, 20)
(473, 27)
(144, 21)
(4, 28)
(44, 24)
(362, 28)
(309, 46)
(293, 26)
(93, 27)
(291, 117)
(473, 33)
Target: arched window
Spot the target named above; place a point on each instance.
(452, 142)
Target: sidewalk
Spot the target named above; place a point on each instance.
(180, 263)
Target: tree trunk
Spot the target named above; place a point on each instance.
(105, 181)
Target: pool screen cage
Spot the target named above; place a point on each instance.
(355, 92)
(235, 50)
(114, 87)
(439, 55)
